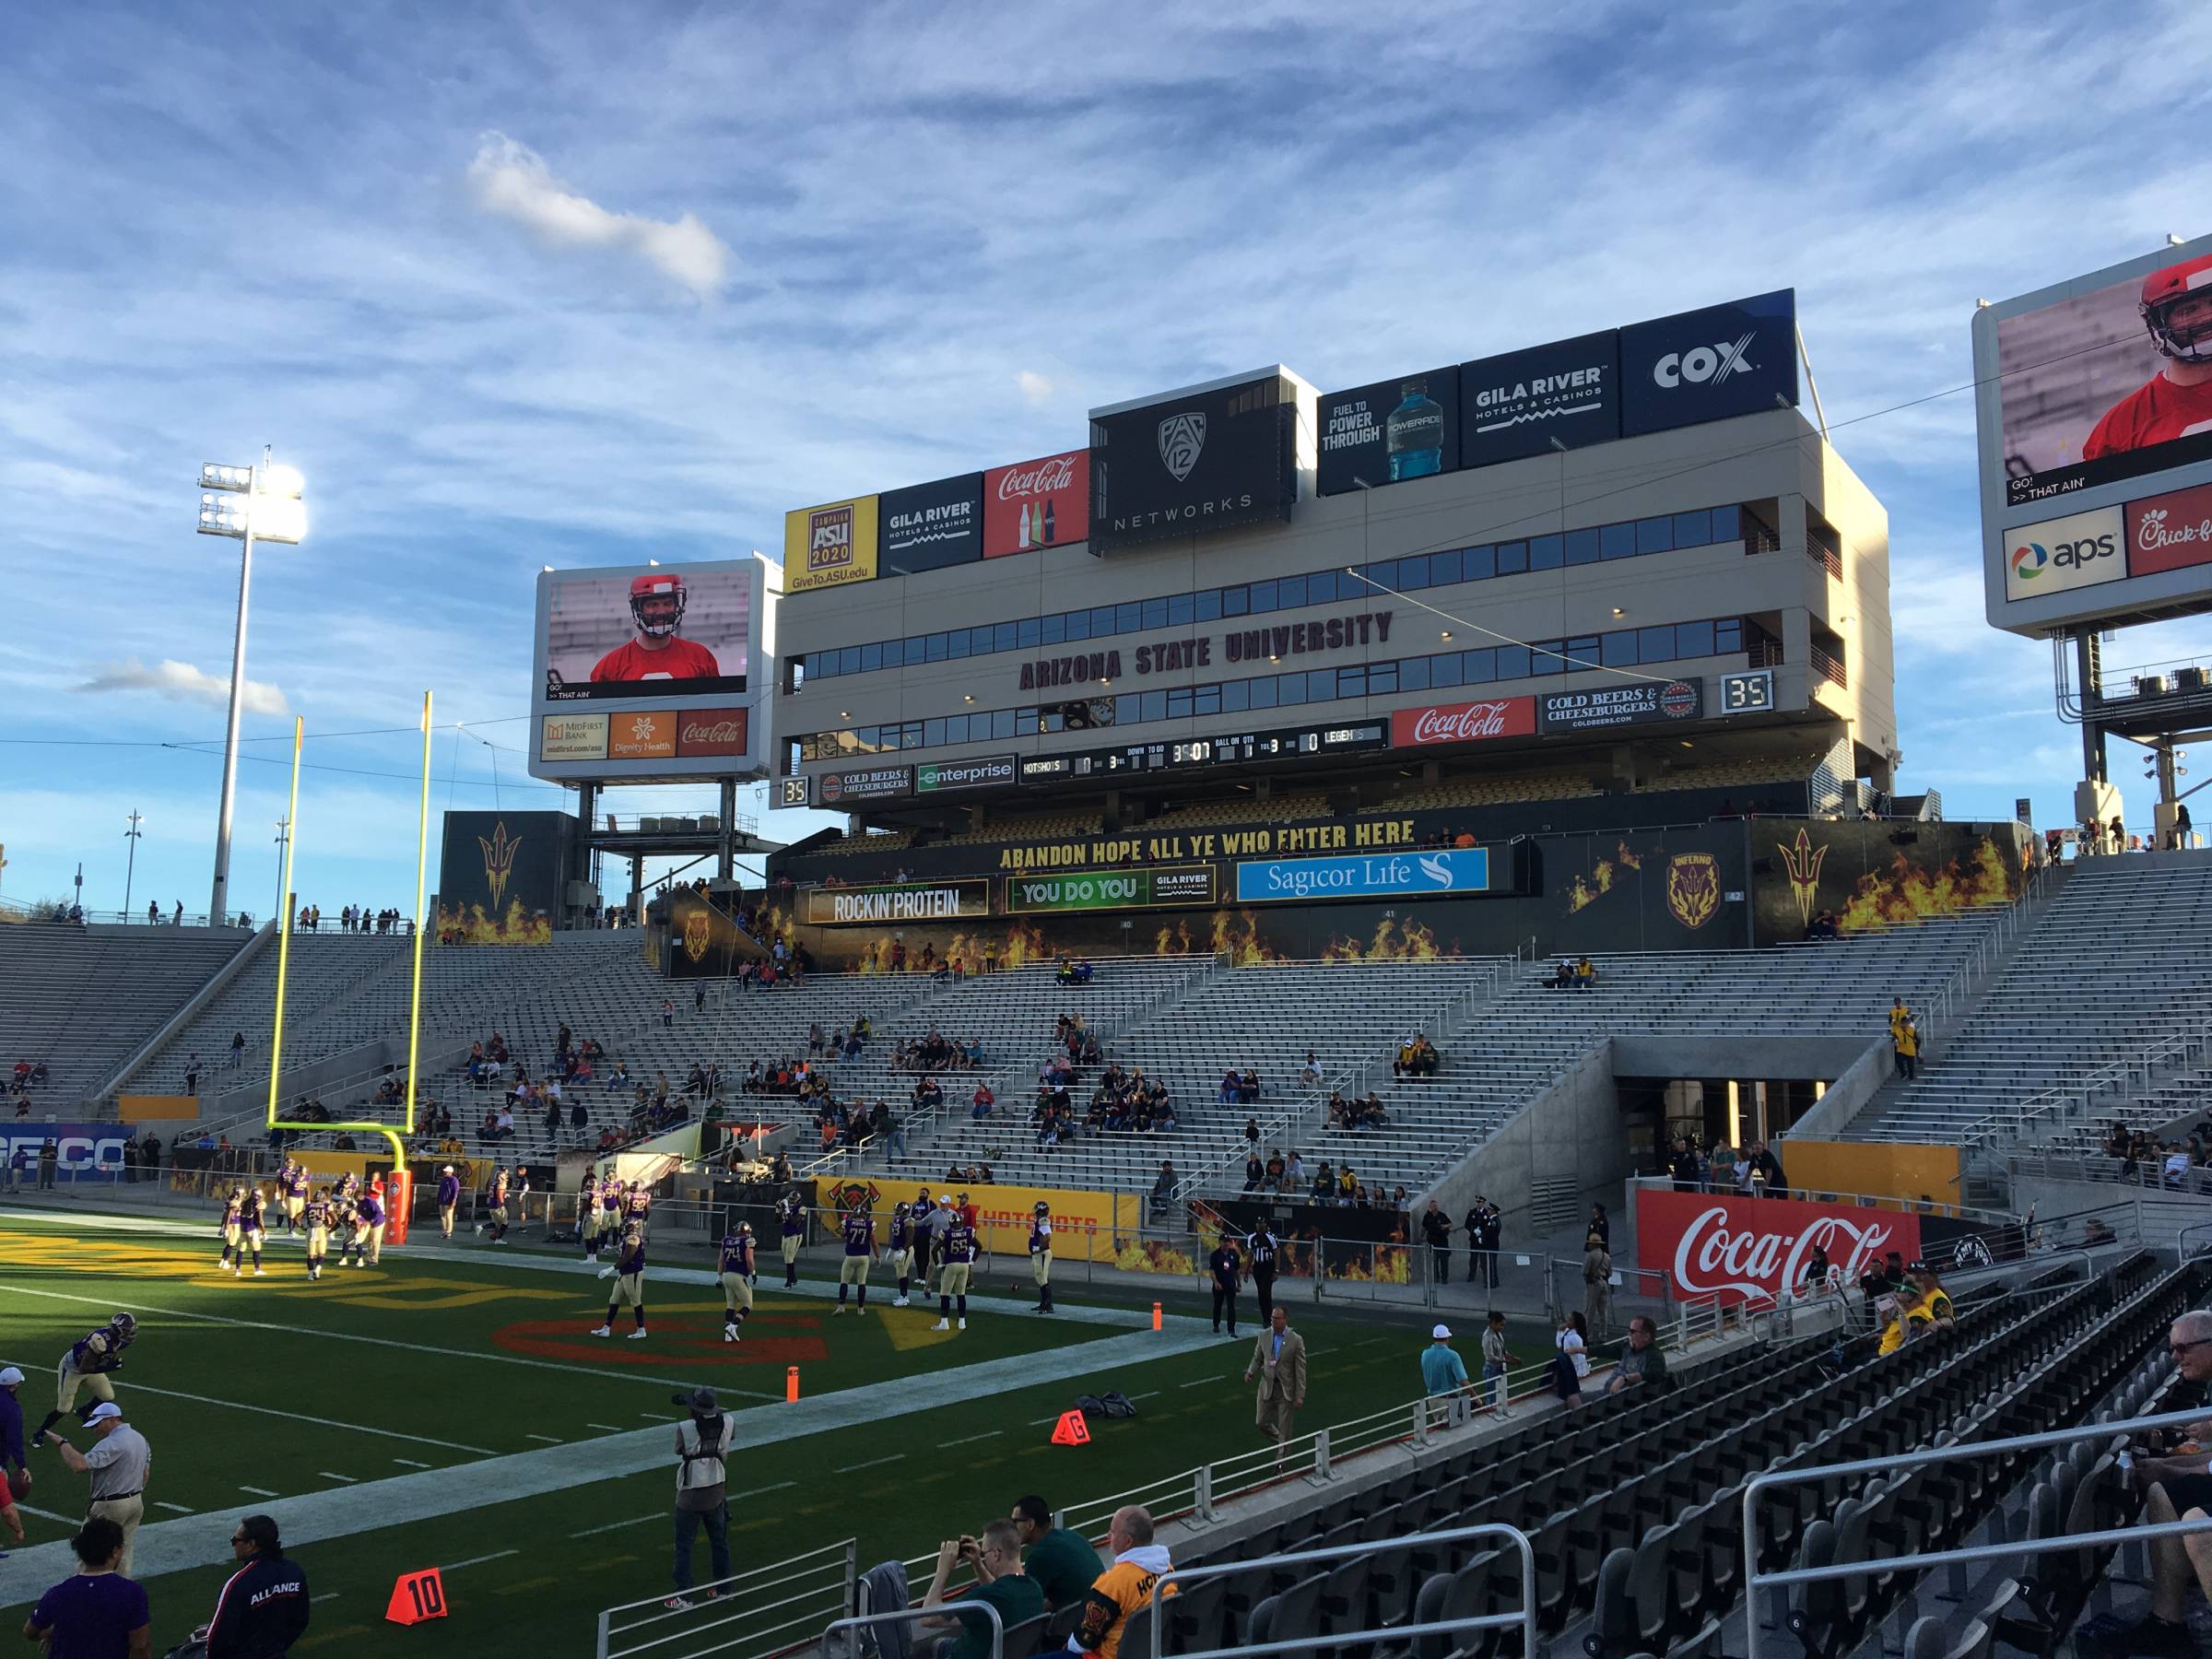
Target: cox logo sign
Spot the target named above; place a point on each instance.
(1702, 363)
(2076, 551)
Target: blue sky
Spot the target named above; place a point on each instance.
(518, 286)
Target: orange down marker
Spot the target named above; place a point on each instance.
(791, 1385)
(1155, 1316)
(417, 1596)
(1071, 1430)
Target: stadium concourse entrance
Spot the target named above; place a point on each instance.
(1658, 1112)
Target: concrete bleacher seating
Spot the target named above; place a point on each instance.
(81, 998)
(2068, 1038)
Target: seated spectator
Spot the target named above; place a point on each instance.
(1163, 1187)
(982, 1101)
(1252, 1134)
(1641, 1364)
(1347, 1186)
(995, 1559)
(1585, 974)
(1275, 1169)
(1248, 1087)
(1254, 1172)
(1563, 976)
(1310, 1074)
(1230, 1086)
(1324, 1184)
(928, 1096)
(1123, 1587)
(2177, 1168)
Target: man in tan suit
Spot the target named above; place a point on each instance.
(1278, 1360)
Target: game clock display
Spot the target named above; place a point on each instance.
(1749, 693)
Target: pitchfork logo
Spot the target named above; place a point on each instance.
(1182, 437)
(1703, 364)
(498, 860)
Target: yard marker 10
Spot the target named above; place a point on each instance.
(1071, 1429)
(417, 1596)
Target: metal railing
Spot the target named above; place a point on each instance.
(1755, 1580)
(1525, 1619)
(729, 1610)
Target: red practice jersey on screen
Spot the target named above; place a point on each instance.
(2154, 412)
(679, 660)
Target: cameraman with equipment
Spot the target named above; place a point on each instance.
(701, 1496)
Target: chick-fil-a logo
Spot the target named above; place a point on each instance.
(1739, 1248)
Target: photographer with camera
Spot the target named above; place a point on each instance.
(701, 1496)
(995, 1559)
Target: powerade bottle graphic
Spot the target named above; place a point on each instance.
(1413, 435)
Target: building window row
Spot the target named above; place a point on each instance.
(1441, 671)
(1630, 539)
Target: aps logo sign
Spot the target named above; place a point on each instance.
(2079, 550)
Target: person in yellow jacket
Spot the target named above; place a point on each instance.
(1912, 1320)
(1906, 1039)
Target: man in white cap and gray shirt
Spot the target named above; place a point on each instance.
(118, 1463)
(1443, 1373)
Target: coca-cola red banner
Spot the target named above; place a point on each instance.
(1738, 1248)
(1037, 504)
(1463, 722)
(712, 730)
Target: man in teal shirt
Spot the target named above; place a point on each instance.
(999, 1581)
(1443, 1373)
(1059, 1558)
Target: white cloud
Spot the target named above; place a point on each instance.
(1036, 390)
(512, 180)
(181, 679)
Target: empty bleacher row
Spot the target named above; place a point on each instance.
(1634, 1503)
(2112, 968)
(80, 999)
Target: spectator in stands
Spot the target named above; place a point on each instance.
(1310, 1074)
(1496, 1359)
(1163, 1187)
(1277, 1172)
(1766, 1170)
(1122, 1588)
(1254, 1172)
(1058, 1559)
(1942, 1315)
(1572, 1339)
(1585, 974)
(995, 1559)
(2178, 1488)
(1563, 976)
(1683, 1165)
(1816, 1271)
(1905, 1317)
(1907, 1043)
(1642, 1364)
(1324, 1184)
(97, 1609)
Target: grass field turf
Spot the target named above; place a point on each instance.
(423, 1368)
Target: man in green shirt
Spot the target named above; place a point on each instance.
(1060, 1559)
(999, 1581)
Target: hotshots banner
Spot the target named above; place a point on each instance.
(1459, 870)
(1711, 364)
(1394, 430)
(1633, 702)
(1738, 1248)
(1153, 889)
(933, 526)
(1522, 402)
(1038, 503)
(831, 544)
(1204, 461)
(930, 901)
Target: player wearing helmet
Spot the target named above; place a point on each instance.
(791, 1224)
(900, 1253)
(1041, 1255)
(317, 1219)
(737, 1271)
(859, 1231)
(252, 1231)
(2176, 309)
(231, 1227)
(87, 1364)
(628, 1274)
(656, 606)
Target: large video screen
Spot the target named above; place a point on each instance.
(2108, 384)
(663, 631)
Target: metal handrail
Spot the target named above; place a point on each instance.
(733, 1606)
(1754, 1580)
(1525, 1618)
(861, 1621)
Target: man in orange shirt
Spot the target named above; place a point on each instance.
(2176, 308)
(656, 606)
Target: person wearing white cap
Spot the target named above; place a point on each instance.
(1443, 1373)
(118, 1463)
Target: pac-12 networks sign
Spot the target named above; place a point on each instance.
(1738, 1248)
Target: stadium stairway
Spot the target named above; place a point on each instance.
(2098, 1014)
(81, 998)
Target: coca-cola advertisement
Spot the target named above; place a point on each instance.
(1463, 722)
(1739, 1248)
(2169, 532)
(1033, 504)
(712, 730)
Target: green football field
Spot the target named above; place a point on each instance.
(449, 1409)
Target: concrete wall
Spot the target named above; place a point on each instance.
(1571, 1130)
(1849, 1093)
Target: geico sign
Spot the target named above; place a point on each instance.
(75, 1148)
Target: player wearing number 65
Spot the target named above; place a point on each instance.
(263, 1608)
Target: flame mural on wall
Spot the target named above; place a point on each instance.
(1906, 892)
(1582, 894)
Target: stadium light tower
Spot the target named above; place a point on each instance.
(248, 504)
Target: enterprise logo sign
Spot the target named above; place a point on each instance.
(1457, 870)
(2057, 555)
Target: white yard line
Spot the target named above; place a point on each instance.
(551, 1440)
(333, 1475)
(160, 1503)
(50, 1515)
(592, 1532)
(300, 1416)
(411, 1462)
(257, 1491)
(608, 1427)
(497, 1554)
(326, 1596)
(873, 1463)
(970, 1440)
